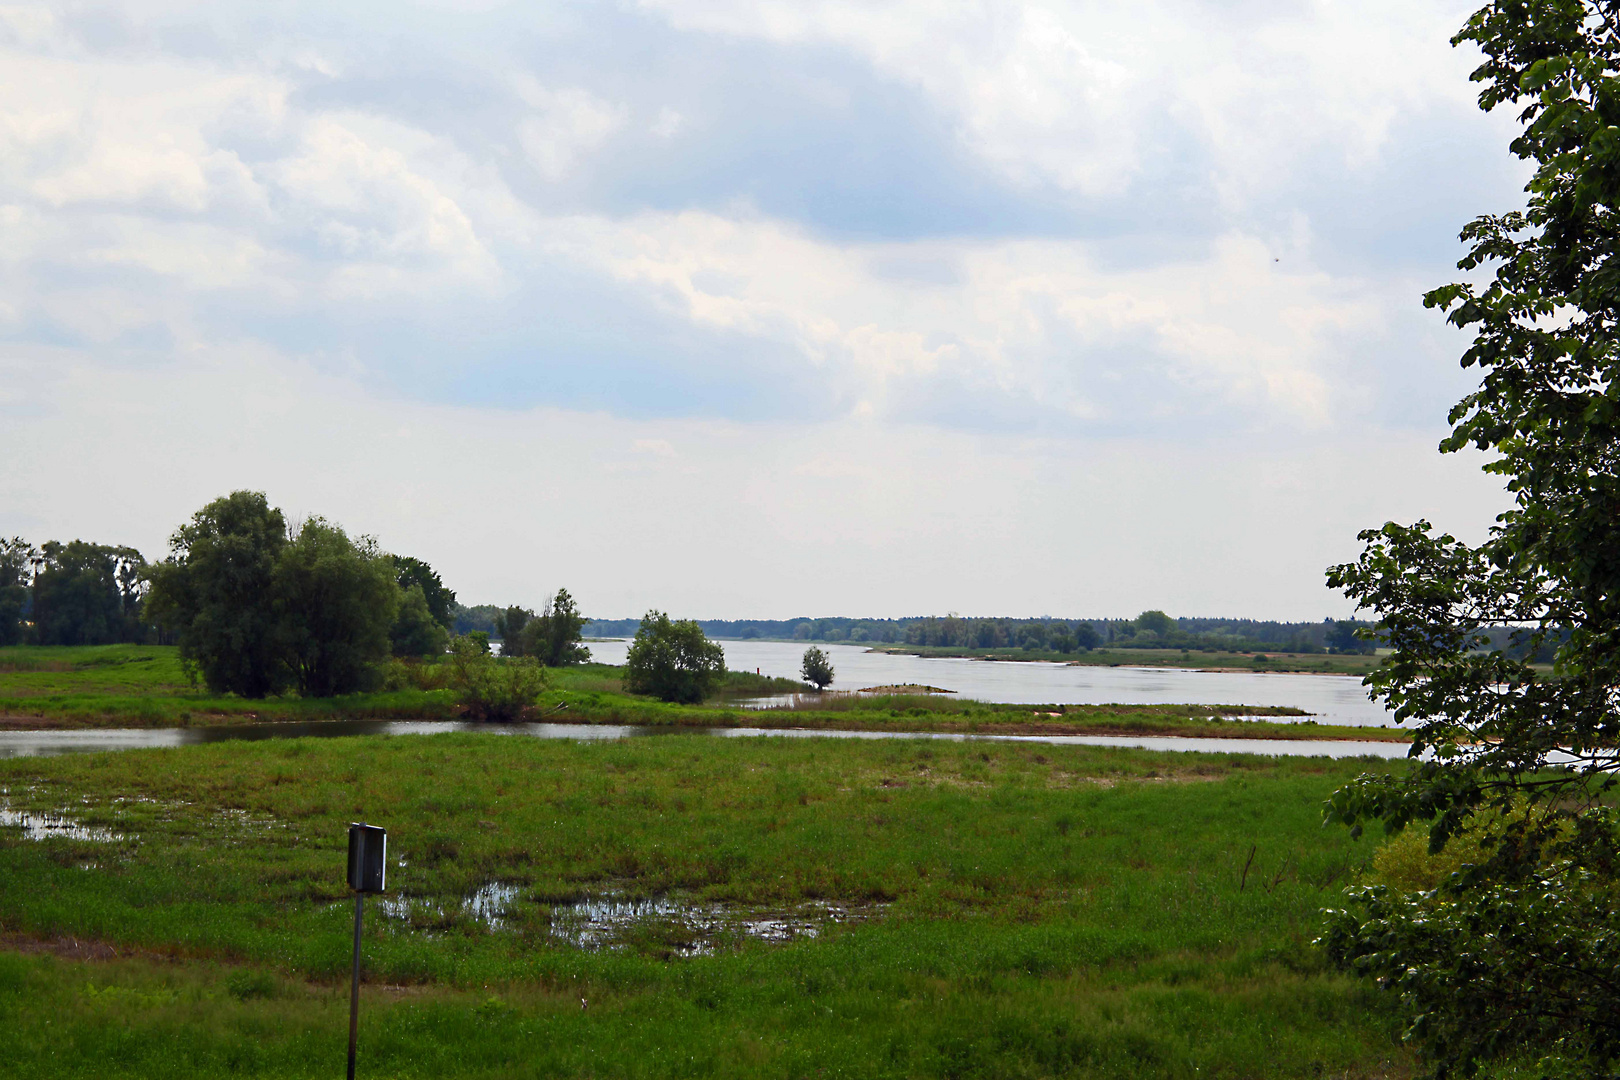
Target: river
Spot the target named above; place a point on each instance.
(1330, 699)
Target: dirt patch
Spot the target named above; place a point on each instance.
(75, 948)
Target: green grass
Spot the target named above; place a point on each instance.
(144, 686)
(1036, 911)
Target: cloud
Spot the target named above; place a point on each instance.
(745, 520)
(567, 124)
(819, 246)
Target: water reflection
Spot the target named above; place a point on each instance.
(41, 743)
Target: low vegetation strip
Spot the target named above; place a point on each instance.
(1039, 911)
(145, 686)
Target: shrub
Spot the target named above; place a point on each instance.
(491, 688)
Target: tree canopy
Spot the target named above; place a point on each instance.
(335, 601)
(216, 593)
(553, 636)
(816, 668)
(441, 602)
(257, 610)
(1514, 957)
(672, 660)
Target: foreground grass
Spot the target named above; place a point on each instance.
(1034, 911)
(145, 686)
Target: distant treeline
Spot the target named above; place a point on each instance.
(1150, 630)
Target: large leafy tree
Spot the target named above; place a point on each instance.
(215, 592)
(441, 601)
(1518, 955)
(337, 600)
(88, 594)
(673, 660)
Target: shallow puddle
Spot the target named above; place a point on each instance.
(659, 924)
(40, 825)
(690, 928)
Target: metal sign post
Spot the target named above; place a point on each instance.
(368, 872)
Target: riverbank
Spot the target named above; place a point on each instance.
(145, 687)
(1194, 659)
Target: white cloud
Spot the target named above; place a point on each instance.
(762, 520)
(1084, 95)
(565, 126)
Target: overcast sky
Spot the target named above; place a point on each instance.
(751, 309)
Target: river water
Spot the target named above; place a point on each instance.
(47, 743)
(1330, 699)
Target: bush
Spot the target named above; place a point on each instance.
(491, 688)
(673, 661)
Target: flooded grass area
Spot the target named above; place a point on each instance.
(684, 905)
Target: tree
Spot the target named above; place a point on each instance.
(816, 668)
(553, 636)
(1341, 637)
(509, 627)
(16, 559)
(215, 593)
(415, 631)
(1085, 637)
(441, 602)
(1156, 621)
(673, 660)
(336, 600)
(1514, 956)
(88, 594)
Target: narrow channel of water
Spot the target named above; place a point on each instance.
(39, 743)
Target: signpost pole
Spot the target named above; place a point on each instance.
(354, 981)
(368, 872)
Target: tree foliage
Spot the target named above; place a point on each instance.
(414, 573)
(816, 668)
(335, 601)
(256, 610)
(553, 636)
(673, 661)
(1516, 955)
(509, 626)
(415, 631)
(494, 688)
(216, 593)
(16, 557)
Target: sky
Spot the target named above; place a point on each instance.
(752, 310)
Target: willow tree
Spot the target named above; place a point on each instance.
(1517, 956)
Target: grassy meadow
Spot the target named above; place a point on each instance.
(145, 686)
(1010, 911)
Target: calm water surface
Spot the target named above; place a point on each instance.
(44, 743)
(1330, 699)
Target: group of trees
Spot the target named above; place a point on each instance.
(76, 593)
(1048, 634)
(552, 637)
(1514, 958)
(257, 608)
